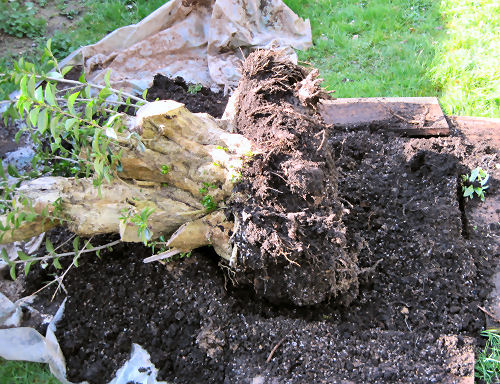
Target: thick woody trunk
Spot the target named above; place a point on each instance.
(195, 148)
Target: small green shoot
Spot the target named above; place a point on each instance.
(165, 169)
(193, 89)
(488, 361)
(208, 200)
(140, 220)
(475, 183)
(218, 164)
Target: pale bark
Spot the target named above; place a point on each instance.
(196, 148)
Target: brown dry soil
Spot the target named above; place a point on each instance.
(422, 272)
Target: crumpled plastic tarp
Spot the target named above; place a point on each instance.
(202, 41)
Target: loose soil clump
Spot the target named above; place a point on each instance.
(200, 99)
(398, 211)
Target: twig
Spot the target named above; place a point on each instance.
(489, 314)
(269, 358)
(70, 253)
(61, 278)
(161, 256)
(73, 82)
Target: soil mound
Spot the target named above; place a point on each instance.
(196, 98)
(290, 237)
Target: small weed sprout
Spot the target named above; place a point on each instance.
(193, 89)
(140, 220)
(208, 200)
(165, 169)
(475, 182)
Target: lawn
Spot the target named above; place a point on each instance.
(365, 48)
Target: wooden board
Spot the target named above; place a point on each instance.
(477, 129)
(408, 116)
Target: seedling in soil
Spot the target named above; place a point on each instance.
(193, 89)
(475, 183)
(488, 361)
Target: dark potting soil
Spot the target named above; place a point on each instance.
(422, 274)
(198, 100)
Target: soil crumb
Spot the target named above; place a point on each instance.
(195, 97)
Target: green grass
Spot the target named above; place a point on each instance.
(372, 48)
(22, 372)
(467, 63)
(488, 360)
(448, 48)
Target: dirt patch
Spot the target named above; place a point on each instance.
(196, 98)
(422, 273)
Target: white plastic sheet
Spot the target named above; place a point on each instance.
(202, 41)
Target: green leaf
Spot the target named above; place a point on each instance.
(71, 101)
(469, 191)
(76, 244)
(5, 256)
(23, 85)
(43, 121)
(23, 256)
(485, 179)
(474, 174)
(39, 95)
(13, 272)
(89, 110)
(75, 261)
(50, 94)
(27, 267)
(65, 70)
(49, 246)
(69, 123)
(12, 171)
(106, 78)
(55, 75)
(56, 263)
(54, 126)
(104, 93)
(31, 87)
(34, 116)
(2, 173)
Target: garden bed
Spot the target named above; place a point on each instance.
(424, 266)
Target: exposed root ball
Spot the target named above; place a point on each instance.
(290, 238)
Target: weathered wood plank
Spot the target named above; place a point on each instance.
(408, 116)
